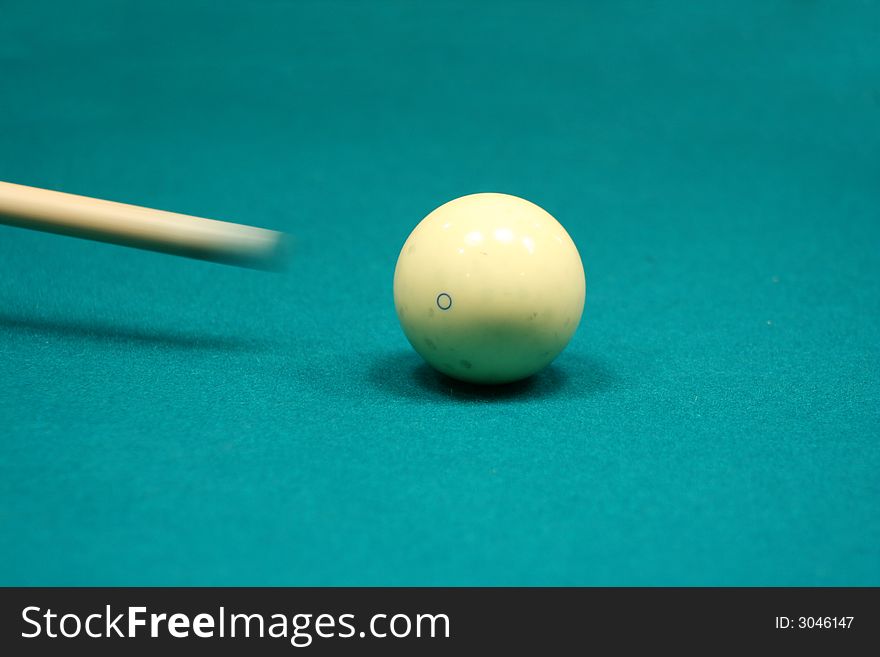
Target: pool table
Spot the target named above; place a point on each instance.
(715, 419)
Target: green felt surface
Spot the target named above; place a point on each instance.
(715, 420)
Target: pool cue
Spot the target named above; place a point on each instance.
(139, 227)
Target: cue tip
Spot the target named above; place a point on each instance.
(278, 254)
(252, 248)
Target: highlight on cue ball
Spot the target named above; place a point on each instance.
(489, 288)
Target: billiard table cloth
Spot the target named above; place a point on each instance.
(714, 421)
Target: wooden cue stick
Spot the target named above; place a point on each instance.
(139, 227)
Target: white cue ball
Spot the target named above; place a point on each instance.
(489, 288)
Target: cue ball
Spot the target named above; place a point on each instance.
(489, 288)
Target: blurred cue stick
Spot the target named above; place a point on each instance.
(139, 227)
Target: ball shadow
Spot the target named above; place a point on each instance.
(404, 374)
